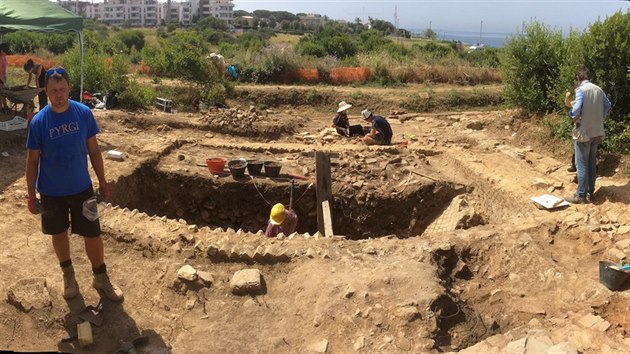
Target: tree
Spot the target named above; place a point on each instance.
(132, 39)
(241, 13)
(429, 33)
(404, 33)
(382, 26)
(262, 13)
(212, 23)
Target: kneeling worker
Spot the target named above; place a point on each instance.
(380, 132)
(281, 220)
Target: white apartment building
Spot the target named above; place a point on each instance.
(223, 9)
(149, 13)
(135, 13)
(178, 12)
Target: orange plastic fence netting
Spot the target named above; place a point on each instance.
(345, 75)
(18, 60)
(307, 75)
(350, 75)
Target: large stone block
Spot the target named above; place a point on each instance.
(247, 281)
(29, 293)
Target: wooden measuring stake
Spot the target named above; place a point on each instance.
(324, 190)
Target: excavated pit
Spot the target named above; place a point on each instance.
(459, 323)
(228, 203)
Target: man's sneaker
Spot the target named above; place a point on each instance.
(101, 282)
(575, 199)
(589, 198)
(70, 286)
(572, 169)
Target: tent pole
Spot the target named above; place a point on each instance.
(80, 33)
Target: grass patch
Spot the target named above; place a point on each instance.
(285, 39)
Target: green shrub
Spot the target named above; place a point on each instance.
(22, 42)
(212, 23)
(607, 53)
(59, 43)
(486, 58)
(559, 128)
(273, 64)
(183, 55)
(372, 40)
(539, 67)
(132, 39)
(530, 66)
(437, 50)
(383, 77)
(160, 32)
(314, 49)
(98, 75)
(618, 136)
(334, 42)
(113, 46)
(136, 96)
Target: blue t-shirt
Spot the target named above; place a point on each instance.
(382, 126)
(61, 139)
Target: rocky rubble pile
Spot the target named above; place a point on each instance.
(366, 175)
(236, 116)
(244, 122)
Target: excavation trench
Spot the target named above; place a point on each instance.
(459, 322)
(227, 203)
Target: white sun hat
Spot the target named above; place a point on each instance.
(366, 114)
(343, 106)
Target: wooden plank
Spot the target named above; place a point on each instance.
(324, 188)
(328, 229)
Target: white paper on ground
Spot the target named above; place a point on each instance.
(549, 201)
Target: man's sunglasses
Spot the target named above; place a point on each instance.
(56, 71)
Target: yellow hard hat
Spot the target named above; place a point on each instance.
(277, 215)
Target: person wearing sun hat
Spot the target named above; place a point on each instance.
(342, 124)
(281, 220)
(380, 132)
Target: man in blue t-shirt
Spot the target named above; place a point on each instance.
(60, 138)
(380, 132)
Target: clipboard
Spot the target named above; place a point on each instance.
(548, 201)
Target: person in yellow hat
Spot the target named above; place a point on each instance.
(281, 220)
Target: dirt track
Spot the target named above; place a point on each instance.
(443, 250)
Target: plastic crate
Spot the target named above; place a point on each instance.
(165, 104)
(16, 123)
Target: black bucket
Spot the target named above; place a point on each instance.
(254, 167)
(237, 168)
(613, 279)
(272, 168)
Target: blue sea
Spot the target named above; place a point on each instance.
(492, 39)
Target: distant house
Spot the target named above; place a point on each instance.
(312, 20)
(247, 21)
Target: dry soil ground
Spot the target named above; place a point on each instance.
(439, 246)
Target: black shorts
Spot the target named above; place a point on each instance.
(380, 139)
(58, 212)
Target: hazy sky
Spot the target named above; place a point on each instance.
(498, 16)
(504, 16)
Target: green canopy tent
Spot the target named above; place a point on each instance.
(40, 16)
